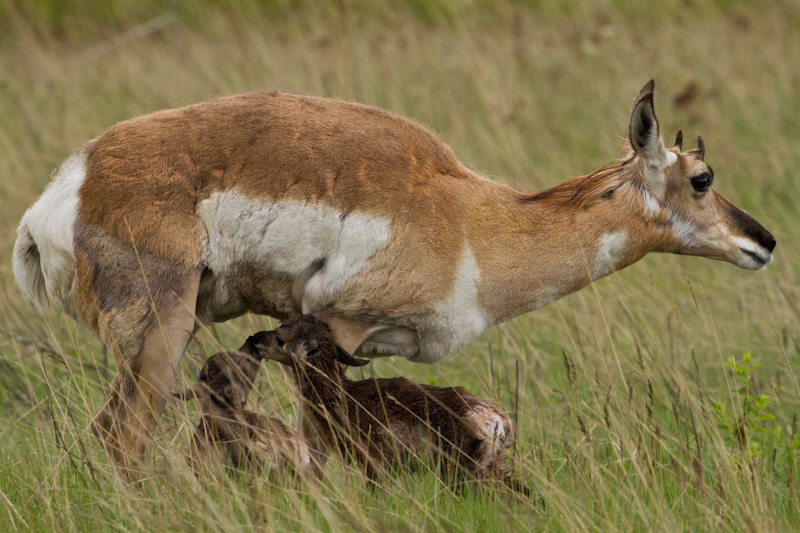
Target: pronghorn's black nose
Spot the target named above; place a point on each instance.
(764, 238)
(752, 228)
(772, 243)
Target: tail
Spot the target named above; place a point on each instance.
(28, 268)
(44, 254)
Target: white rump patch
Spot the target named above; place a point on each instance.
(50, 224)
(314, 243)
(609, 253)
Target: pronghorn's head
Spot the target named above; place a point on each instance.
(691, 217)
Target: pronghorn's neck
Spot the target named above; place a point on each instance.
(544, 246)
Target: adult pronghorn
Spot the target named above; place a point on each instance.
(282, 204)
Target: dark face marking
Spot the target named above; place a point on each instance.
(751, 228)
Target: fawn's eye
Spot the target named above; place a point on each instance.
(702, 182)
(279, 341)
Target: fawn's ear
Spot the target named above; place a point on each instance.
(193, 393)
(345, 358)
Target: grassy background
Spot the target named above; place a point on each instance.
(613, 389)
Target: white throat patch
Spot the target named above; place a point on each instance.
(610, 252)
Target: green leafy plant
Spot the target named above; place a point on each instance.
(746, 424)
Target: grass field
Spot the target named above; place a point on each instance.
(614, 389)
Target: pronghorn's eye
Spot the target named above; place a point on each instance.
(702, 182)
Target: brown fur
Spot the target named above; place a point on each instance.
(226, 429)
(384, 422)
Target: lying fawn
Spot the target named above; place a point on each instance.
(387, 421)
(229, 431)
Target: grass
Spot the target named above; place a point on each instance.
(613, 389)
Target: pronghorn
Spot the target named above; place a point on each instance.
(279, 204)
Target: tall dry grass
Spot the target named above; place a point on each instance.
(612, 389)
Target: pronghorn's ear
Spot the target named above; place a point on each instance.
(643, 132)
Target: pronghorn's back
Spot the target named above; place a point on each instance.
(267, 147)
(281, 205)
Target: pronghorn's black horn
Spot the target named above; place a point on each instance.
(701, 148)
(679, 140)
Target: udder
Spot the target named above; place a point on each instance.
(390, 340)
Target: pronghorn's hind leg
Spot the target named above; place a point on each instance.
(143, 307)
(145, 373)
(156, 364)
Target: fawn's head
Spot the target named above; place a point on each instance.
(223, 386)
(304, 341)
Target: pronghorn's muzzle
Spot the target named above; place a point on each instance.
(756, 242)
